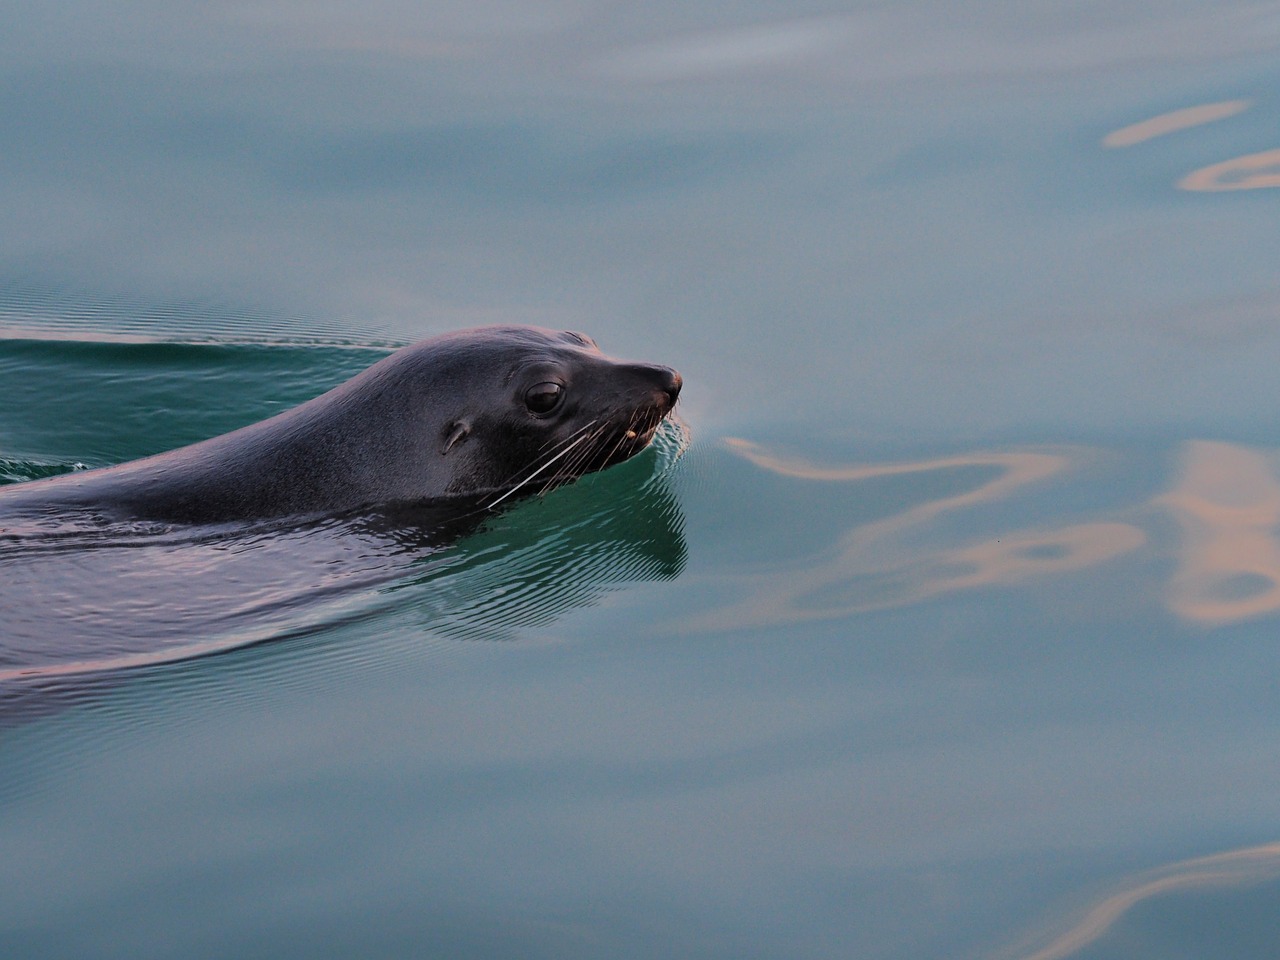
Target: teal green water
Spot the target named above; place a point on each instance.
(948, 631)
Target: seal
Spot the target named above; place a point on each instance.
(476, 415)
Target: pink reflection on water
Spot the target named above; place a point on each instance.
(1246, 865)
(1255, 171)
(1172, 122)
(881, 564)
(1227, 501)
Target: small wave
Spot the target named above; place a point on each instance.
(20, 471)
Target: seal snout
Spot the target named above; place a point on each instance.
(672, 384)
(664, 379)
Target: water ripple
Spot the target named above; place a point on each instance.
(84, 605)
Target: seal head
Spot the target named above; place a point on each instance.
(564, 409)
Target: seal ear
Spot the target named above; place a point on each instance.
(458, 431)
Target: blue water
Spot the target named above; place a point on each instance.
(948, 630)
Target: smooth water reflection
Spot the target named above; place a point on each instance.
(1227, 501)
(889, 562)
(1247, 866)
(1255, 171)
(1172, 122)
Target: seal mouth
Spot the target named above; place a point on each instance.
(624, 441)
(597, 445)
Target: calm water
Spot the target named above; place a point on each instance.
(949, 631)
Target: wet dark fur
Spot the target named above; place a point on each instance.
(445, 418)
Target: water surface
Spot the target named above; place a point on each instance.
(950, 633)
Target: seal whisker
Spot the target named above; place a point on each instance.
(553, 443)
(572, 467)
(548, 463)
(623, 437)
(569, 466)
(558, 448)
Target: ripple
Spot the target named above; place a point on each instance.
(20, 471)
(87, 605)
(34, 313)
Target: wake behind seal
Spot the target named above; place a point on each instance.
(488, 413)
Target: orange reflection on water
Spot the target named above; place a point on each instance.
(1255, 171)
(1227, 501)
(1246, 865)
(1035, 554)
(1173, 121)
(874, 567)
(1019, 470)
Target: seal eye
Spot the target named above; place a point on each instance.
(542, 398)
